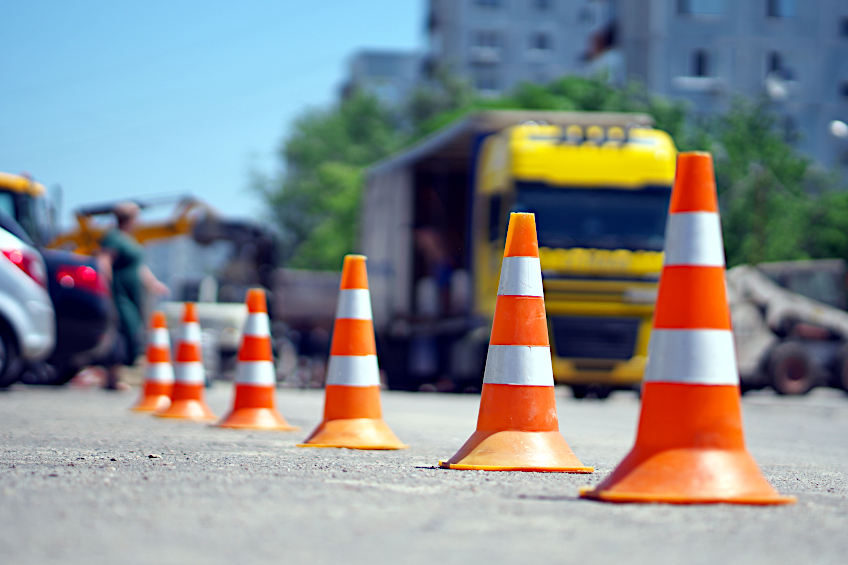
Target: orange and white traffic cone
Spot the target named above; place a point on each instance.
(159, 374)
(353, 416)
(190, 377)
(253, 406)
(517, 427)
(690, 446)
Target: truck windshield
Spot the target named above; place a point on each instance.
(600, 218)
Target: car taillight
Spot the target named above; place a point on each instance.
(82, 277)
(28, 263)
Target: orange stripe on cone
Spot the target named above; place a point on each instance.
(517, 426)
(187, 397)
(159, 377)
(353, 417)
(254, 400)
(690, 446)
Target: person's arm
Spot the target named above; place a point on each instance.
(151, 283)
(105, 258)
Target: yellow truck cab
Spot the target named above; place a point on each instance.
(434, 225)
(600, 195)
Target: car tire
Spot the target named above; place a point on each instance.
(10, 363)
(842, 368)
(790, 369)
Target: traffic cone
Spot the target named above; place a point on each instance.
(690, 446)
(352, 414)
(253, 406)
(517, 427)
(159, 374)
(190, 377)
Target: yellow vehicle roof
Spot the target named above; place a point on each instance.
(18, 183)
(586, 156)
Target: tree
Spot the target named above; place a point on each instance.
(315, 203)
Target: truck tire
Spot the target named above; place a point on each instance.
(579, 391)
(790, 369)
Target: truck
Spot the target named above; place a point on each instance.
(433, 225)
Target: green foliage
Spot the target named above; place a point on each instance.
(316, 203)
(775, 206)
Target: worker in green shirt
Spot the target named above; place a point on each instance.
(121, 261)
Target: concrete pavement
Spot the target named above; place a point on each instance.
(78, 485)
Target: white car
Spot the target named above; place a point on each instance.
(27, 319)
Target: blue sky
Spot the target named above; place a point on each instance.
(116, 99)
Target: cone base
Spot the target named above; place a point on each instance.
(188, 410)
(688, 476)
(512, 450)
(354, 433)
(255, 419)
(152, 403)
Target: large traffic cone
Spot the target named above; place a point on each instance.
(159, 374)
(517, 427)
(353, 417)
(190, 377)
(253, 406)
(690, 446)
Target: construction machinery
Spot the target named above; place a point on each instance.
(789, 324)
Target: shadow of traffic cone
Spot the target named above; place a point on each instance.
(517, 427)
(189, 375)
(253, 406)
(352, 414)
(159, 374)
(690, 446)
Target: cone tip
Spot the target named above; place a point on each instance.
(190, 312)
(158, 320)
(521, 236)
(354, 273)
(694, 183)
(255, 301)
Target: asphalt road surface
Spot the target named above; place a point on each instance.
(78, 485)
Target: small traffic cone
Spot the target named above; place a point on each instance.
(353, 417)
(690, 446)
(159, 374)
(253, 406)
(517, 427)
(190, 377)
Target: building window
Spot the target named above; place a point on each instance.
(543, 4)
(541, 42)
(487, 47)
(700, 64)
(780, 8)
(843, 27)
(700, 7)
(487, 82)
(489, 3)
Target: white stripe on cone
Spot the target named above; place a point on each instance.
(256, 373)
(158, 336)
(353, 370)
(159, 373)
(705, 357)
(694, 238)
(191, 373)
(257, 325)
(519, 365)
(190, 331)
(354, 303)
(521, 276)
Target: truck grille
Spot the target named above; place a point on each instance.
(595, 338)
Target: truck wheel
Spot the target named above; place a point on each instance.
(10, 364)
(579, 391)
(791, 369)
